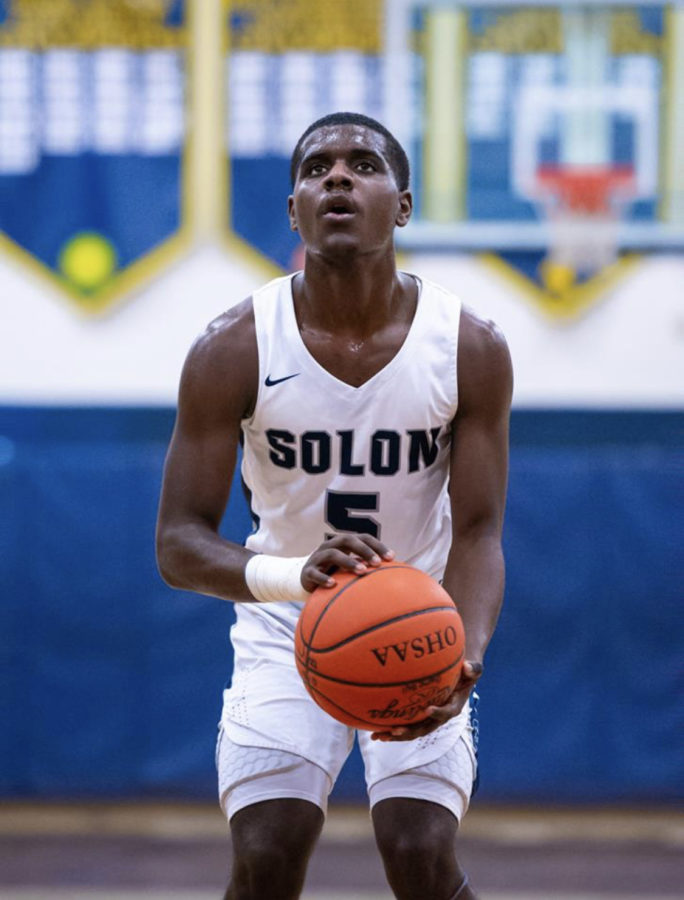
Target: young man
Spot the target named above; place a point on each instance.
(373, 410)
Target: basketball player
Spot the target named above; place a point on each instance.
(373, 412)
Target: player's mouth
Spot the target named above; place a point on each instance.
(338, 209)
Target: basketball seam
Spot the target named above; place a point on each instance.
(383, 684)
(351, 715)
(341, 591)
(372, 628)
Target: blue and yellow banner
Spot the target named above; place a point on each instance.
(93, 131)
(101, 182)
(288, 63)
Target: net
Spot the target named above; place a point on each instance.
(584, 208)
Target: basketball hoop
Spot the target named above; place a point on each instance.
(583, 206)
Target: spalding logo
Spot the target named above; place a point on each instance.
(413, 704)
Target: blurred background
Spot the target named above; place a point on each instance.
(144, 151)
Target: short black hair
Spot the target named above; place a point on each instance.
(395, 152)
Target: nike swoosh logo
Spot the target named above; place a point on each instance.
(271, 381)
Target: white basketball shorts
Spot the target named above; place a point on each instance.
(250, 775)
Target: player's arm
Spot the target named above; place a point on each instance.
(217, 390)
(474, 574)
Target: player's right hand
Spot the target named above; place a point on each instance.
(348, 552)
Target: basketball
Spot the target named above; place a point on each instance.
(379, 648)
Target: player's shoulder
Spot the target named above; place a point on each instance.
(481, 337)
(222, 364)
(485, 371)
(232, 332)
(477, 335)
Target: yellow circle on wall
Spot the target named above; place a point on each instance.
(88, 260)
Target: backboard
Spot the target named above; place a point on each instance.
(495, 101)
(503, 91)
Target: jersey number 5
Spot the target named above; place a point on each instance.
(340, 509)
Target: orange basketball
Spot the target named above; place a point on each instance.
(377, 649)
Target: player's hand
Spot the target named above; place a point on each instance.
(349, 552)
(437, 715)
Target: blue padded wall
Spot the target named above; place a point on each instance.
(111, 682)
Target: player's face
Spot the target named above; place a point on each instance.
(345, 198)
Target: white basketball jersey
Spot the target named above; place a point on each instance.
(321, 456)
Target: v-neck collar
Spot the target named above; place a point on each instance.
(343, 387)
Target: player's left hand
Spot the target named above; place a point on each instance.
(437, 715)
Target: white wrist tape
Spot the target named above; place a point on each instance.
(276, 578)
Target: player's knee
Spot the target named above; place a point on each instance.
(270, 859)
(411, 852)
(419, 859)
(272, 843)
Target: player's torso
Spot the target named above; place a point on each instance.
(321, 456)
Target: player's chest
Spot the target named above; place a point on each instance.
(351, 360)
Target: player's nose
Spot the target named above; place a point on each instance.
(339, 174)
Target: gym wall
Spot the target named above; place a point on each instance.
(129, 223)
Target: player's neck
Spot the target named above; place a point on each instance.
(365, 289)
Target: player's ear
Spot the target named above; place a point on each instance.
(405, 208)
(291, 213)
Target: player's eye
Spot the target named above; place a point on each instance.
(365, 165)
(315, 169)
